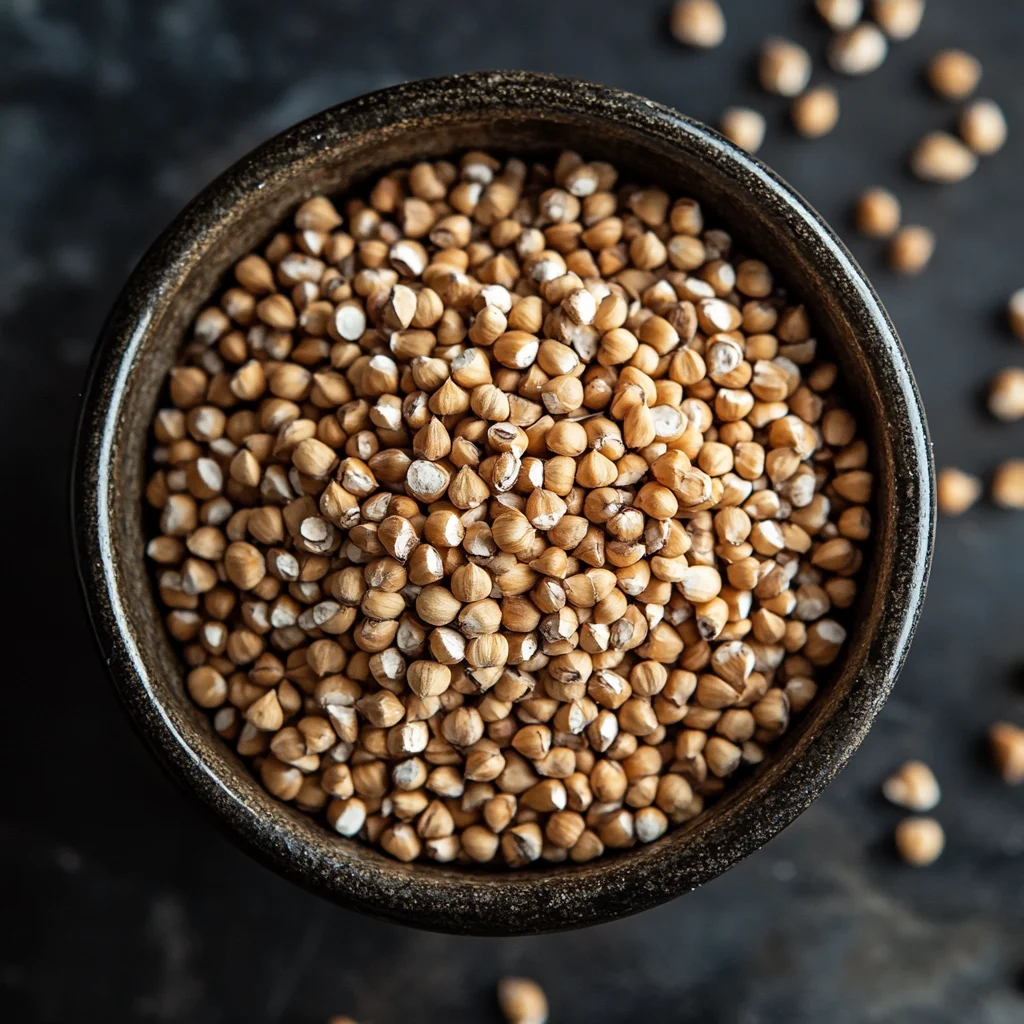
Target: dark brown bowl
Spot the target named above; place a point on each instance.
(337, 149)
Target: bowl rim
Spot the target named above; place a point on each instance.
(426, 896)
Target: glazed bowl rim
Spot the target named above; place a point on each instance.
(425, 895)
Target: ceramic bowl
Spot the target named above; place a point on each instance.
(331, 152)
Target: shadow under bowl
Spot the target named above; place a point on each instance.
(335, 151)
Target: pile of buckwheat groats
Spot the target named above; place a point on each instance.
(504, 515)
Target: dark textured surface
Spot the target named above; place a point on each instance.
(123, 904)
(328, 152)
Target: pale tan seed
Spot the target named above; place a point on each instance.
(943, 158)
(858, 51)
(743, 126)
(898, 19)
(784, 67)
(697, 23)
(920, 841)
(954, 74)
(877, 213)
(245, 565)
(983, 127)
(911, 249)
(839, 14)
(522, 1001)
(956, 491)
(912, 786)
(1006, 394)
(815, 112)
(1008, 484)
(1015, 313)
(1006, 741)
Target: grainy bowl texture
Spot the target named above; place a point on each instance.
(332, 152)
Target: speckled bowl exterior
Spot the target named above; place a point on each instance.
(333, 151)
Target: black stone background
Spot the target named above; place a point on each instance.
(121, 903)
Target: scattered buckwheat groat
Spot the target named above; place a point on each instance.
(522, 1001)
(744, 127)
(943, 158)
(1007, 744)
(1006, 394)
(912, 786)
(784, 67)
(954, 74)
(858, 52)
(898, 19)
(878, 213)
(956, 491)
(983, 127)
(1008, 484)
(1015, 313)
(505, 512)
(698, 23)
(919, 841)
(839, 14)
(815, 112)
(911, 249)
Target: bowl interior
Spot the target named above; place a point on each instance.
(334, 152)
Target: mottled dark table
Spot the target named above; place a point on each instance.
(121, 903)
